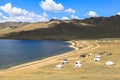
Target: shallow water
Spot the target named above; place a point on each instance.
(14, 52)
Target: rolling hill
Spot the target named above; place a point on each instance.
(90, 28)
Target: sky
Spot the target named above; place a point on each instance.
(44, 10)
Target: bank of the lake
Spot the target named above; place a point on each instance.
(16, 52)
(80, 46)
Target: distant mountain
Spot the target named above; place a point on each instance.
(90, 28)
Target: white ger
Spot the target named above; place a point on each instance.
(97, 58)
(109, 63)
(78, 65)
(59, 66)
(64, 62)
(78, 62)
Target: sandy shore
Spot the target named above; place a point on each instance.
(53, 59)
(73, 45)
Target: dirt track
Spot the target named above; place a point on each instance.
(54, 59)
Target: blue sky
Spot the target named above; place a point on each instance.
(44, 10)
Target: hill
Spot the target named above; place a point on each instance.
(90, 28)
(7, 27)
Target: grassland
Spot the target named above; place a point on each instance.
(90, 70)
(91, 28)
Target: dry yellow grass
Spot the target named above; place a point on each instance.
(5, 30)
(90, 70)
(34, 26)
(28, 27)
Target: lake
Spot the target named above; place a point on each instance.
(14, 52)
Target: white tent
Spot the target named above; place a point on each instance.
(109, 63)
(97, 59)
(78, 65)
(64, 62)
(59, 66)
(78, 62)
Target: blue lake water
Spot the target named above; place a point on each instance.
(14, 52)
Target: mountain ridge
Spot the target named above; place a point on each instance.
(89, 28)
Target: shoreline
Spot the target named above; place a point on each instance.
(73, 45)
(24, 65)
(52, 59)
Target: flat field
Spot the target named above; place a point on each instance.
(90, 70)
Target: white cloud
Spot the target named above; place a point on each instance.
(74, 17)
(51, 5)
(92, 14)
(54, 18)
(64, 18)
(82, 18)
(118, 13)
(2, 17)
(18, 14)
(13, 11)
(45, 14)
(71, 11)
